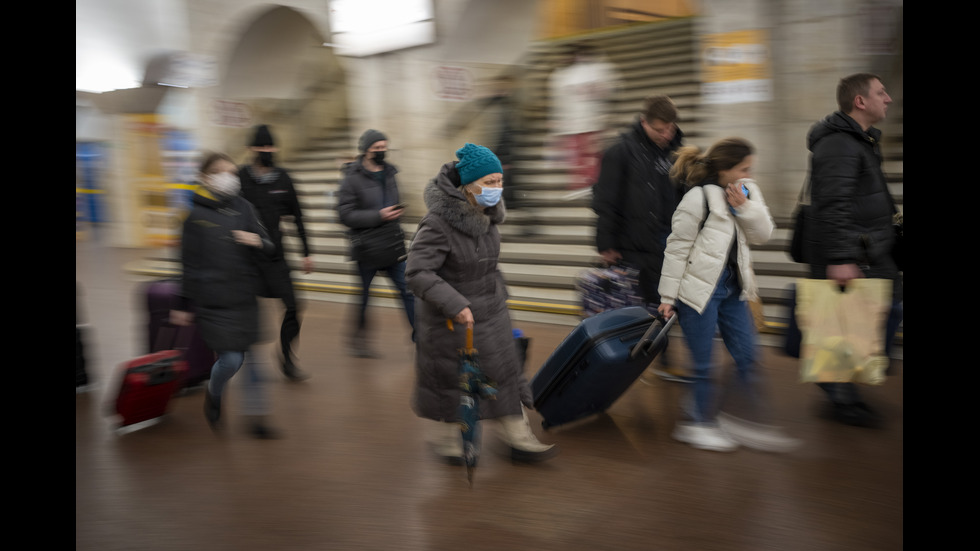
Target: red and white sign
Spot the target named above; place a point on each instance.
(453, 83)
(231, 114)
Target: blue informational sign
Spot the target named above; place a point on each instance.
(179, 151)
(89, 165)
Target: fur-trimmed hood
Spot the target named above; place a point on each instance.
(443, 198)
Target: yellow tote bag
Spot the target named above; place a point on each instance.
(843, 332)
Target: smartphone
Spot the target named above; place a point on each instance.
(745, 190)
(402, 206)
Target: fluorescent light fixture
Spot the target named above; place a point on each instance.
(367, 27)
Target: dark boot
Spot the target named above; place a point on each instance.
(212, 409)
(287, 334)
(858, 414)
(360, 346)
(293, 372)
(259, 428)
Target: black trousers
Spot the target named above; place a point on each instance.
(278, 284)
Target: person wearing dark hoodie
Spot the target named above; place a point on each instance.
(369, 198)
(453, 271)
(270, 189)
(852, 214)
(222, 241)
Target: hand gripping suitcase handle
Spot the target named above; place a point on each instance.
(179, 337)
(661, 327)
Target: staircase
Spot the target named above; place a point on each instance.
(550, 240)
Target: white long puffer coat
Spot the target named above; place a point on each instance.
(696, 256)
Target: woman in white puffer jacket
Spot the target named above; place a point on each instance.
(707, 281)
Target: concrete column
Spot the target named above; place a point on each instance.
(812, 45)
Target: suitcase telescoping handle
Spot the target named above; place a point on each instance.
(178, 337)
(646, 344)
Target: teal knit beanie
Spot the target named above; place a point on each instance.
(475, 162)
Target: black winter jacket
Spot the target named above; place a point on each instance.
(361, 196)
(274, 199)
(221, 277)
(852, 209)
(635, 200)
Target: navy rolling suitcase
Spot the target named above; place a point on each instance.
(596, 363)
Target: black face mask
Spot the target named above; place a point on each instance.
(265, 159)
(379, 157)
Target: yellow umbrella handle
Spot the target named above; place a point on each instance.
(469, 334)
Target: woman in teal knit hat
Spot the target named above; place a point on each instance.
(453, 271)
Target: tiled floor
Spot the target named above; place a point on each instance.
(352, 472)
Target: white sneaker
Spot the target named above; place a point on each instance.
(756, 436)
(704, 437)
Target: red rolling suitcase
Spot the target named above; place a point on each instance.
(148, 383)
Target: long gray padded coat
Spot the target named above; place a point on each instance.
(452, 264)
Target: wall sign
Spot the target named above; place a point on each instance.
(736, 67)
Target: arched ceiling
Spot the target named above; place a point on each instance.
(278, 55)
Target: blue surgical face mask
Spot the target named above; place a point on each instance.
(489, 196)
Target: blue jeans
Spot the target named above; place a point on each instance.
(732, 317)
(396, 273)
(255, 399)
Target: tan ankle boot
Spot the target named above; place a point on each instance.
(446, 440)
(515, 430)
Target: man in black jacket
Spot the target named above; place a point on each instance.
(369, 198)
(852, 212)
(634, 197)
(270, 189)
(635, 200)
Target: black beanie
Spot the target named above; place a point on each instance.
(369, 138)
(263, 138)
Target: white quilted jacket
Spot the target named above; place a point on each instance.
(696, 256)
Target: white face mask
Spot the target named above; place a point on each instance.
(225, 183)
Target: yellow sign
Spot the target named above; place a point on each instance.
(736, 67)
(156, 221)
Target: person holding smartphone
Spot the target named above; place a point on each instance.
(707, 280)
(369, 198)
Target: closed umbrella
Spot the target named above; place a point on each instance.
(474, 385)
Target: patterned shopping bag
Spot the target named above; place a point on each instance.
(843, 330)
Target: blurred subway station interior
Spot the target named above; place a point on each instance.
(159, 82)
